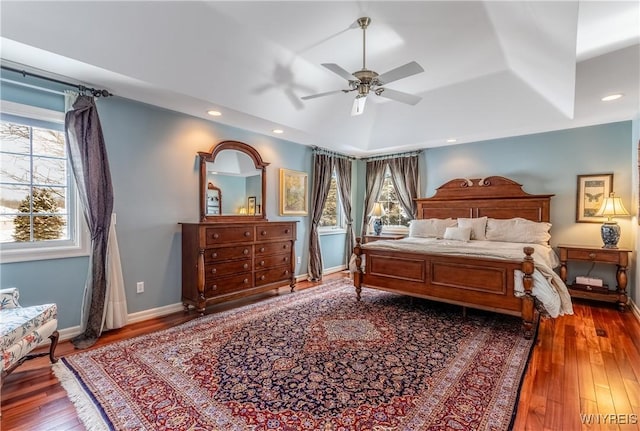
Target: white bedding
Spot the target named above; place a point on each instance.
(548, 287)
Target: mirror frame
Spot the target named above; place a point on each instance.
(211, 157)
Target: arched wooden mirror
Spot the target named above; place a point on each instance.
(236, 170)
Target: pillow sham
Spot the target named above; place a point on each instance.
(518, 230)
(458, 233)
(478, 227)
(430, 228)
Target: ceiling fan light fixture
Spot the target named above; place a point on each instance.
(214, 113)
(278, 131)
(358, 105)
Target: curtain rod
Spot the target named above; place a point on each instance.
(392, 156)
(94, 92)
(319, 150)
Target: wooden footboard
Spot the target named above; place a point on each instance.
(482, 283)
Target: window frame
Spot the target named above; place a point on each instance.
(340, 227)
(387, 227)
(78, 244)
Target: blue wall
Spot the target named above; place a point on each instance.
(153, 159)
(155, 173)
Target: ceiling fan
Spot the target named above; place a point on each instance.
(366, 81)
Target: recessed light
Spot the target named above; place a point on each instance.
(214, 113)
(452, 140)
(611, 97)
(278, 131)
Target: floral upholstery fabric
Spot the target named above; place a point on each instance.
(9, 298)
(23, 329)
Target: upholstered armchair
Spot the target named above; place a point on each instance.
(23, 329)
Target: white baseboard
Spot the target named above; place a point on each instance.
(68, 333)
(634, 309)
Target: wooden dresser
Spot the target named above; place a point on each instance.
(224, 261)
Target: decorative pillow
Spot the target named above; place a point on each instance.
(430, 228)
(518, 230)
(478, 227)
(458, 233)
(9, 298)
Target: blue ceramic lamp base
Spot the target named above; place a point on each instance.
(377, 226)
(610, 232)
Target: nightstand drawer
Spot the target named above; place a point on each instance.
(592, 255)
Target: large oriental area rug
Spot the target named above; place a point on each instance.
(311, 360)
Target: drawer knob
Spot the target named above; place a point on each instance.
(287, 231)
(262, 263)
(245, 251)
(214, 254)
(263, 233)
(261, 249)
(262, 277)
(214, 287)
(216, 236)
(592, 255)
(286, 272)
(245, 266)
(285, 259)
(247, 234)
(213, 271)
(284, 246)
(245, 281)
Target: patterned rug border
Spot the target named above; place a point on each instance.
(94, 417)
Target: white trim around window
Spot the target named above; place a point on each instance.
(80, 245)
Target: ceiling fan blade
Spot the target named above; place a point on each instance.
(398, 96)
(358, 105)
(408, 69)
(339, 71)
(313, 96)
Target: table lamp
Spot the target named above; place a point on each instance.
(610, 230)
(377, 212)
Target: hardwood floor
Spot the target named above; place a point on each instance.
(588, 364)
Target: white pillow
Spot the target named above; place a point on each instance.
(458, 233)
(478, 227)
(518, 230)
(429, 228)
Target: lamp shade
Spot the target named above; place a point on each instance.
(377, 210)
(612, 207)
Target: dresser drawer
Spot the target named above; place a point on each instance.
(274, 260)
(273, 232)
(272, 248)
(222, 285)
(267, 276)
(228, 234)
(226, 253)
(592, 255)
(227, 268)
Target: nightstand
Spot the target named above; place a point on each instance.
(374, 237)
(612, 256)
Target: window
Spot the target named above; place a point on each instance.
(38, 211)
(332, 216)
(395, 216)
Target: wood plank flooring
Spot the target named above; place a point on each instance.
(587, 364)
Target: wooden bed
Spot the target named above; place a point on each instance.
(481, 283)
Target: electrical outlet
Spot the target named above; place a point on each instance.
(299, 259)
(140, 287)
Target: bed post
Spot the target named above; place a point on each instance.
(528, 308)
(357, 274)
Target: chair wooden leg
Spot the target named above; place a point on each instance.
(52, 349)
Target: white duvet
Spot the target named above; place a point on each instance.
(548, 287)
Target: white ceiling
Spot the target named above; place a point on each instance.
(492, 69)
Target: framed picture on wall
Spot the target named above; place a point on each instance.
(251, 205)
(293, 193)
(592, 189)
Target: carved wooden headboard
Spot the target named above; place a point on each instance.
(495, 197)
